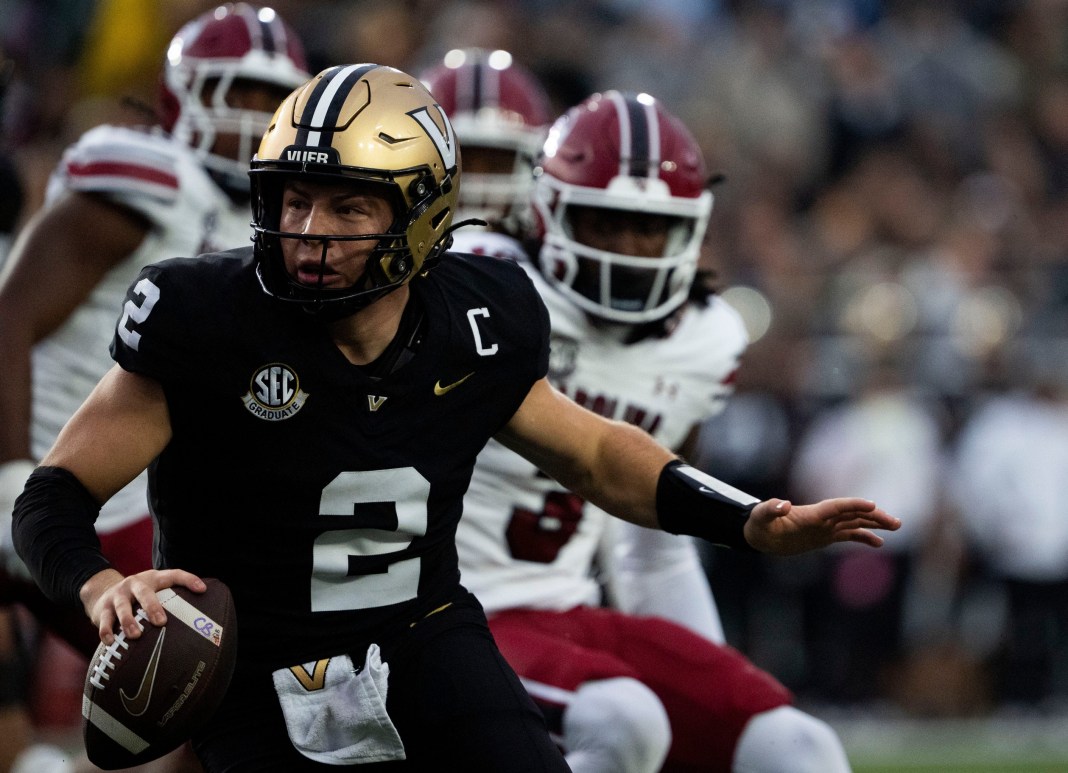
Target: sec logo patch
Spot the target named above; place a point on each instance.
(274, 393)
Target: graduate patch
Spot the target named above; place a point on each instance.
(274, 393)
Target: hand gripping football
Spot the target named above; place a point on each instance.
(144, 697)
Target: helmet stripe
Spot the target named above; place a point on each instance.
(623, 120)
(639, 132)
(253, 25)
(326, 102)
(477, 86)
(463, 89)
(639, 136)
(267, 36)
(477, 71)
(491, 87)
(653, 122)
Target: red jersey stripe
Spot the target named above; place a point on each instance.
(123, 169)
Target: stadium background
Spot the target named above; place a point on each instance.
(893, 227)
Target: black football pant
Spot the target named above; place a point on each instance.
(455, 701)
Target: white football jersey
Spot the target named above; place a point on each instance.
(524, 541)
(482, 242)
(161, 180)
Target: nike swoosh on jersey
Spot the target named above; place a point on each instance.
(439, 390)
(138, 704)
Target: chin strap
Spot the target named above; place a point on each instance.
(445, 242)
(470, 221)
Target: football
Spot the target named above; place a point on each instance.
(144, 697)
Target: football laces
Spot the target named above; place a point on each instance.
(111, 654)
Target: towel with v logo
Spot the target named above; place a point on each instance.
(336, 714)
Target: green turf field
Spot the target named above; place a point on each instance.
(964, 767)
(992, 745)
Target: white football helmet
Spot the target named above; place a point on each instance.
(624, 152)
(236, 41)
(495, 105)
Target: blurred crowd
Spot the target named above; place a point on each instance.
(892, 224)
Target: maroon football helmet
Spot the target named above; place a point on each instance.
(233, 42)
(625, 152)
(495, 105)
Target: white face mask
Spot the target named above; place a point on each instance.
(613, 286)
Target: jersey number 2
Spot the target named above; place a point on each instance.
(333, 588)
(138, 314)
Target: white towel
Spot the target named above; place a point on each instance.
(336, 714)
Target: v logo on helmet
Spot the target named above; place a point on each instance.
(445, 143)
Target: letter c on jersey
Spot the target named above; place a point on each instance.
(482, 350)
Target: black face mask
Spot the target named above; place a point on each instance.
(630, 287)
(331, 304)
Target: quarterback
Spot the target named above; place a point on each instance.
(334, 523)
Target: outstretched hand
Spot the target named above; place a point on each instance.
(783, 528)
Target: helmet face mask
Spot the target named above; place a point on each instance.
(211, 61)
(647, 275)
(377, 128)
(318, 299)
(500, 113)
(626, 154)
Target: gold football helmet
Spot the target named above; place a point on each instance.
(376, 126)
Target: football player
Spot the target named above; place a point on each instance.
(500, 113)
(311, 407)
(621, 205)
(123, 197)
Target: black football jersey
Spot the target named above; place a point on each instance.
(326, 499)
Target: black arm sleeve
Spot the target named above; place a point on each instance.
(52, 530)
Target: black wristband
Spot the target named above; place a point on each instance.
(52, 530)
(690, 502)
